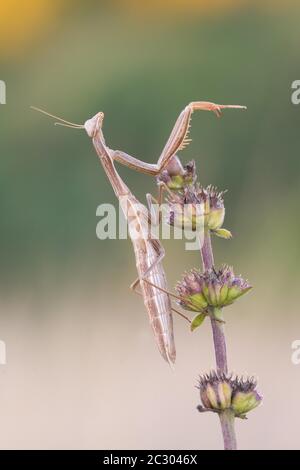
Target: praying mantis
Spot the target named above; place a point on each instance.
(148, 250)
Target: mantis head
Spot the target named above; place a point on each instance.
(92, 126)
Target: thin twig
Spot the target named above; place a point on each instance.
(226, 417)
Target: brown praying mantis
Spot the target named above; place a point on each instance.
(149, 252)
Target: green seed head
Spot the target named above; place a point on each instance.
(243, 402)
(219, 391)
(215, 391)
(196, 207)
(210, 289)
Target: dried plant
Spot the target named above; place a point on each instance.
(206, 293)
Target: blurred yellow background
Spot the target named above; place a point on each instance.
(82, 367)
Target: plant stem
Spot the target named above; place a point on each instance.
(227, 425)
(217, 326)
(219, 344)
(226, 417)
(206, 251)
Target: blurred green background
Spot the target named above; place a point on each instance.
(75, 335)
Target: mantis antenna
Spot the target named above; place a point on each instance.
(62, 122)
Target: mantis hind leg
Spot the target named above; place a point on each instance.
(135, 284)
(137, 281)
(171, 295)
(162, 188)
(151, 200)
(159, 248)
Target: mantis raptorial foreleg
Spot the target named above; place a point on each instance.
(177, 141)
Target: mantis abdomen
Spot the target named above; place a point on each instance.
(157, 302)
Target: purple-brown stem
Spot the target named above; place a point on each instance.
(227, 425)
(219, 344)
(217, 326)
(206, 250)
(226, 417)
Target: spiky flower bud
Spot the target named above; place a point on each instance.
(217, 289)
(176, 176)
(197, 207)
(220, 391)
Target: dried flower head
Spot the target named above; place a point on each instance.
(210, 289)
(220, 391)
(176, 176)
(196, 207)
